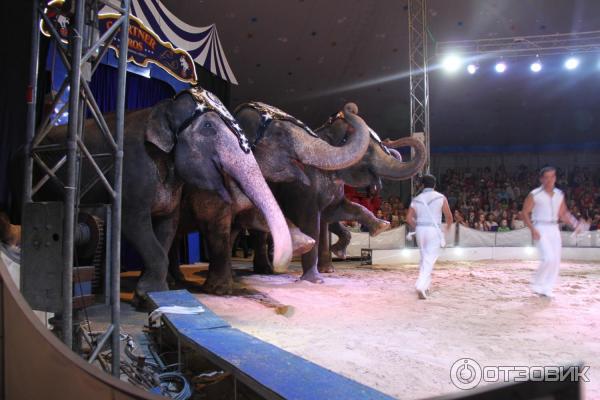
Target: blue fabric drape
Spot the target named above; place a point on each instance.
(141, 92)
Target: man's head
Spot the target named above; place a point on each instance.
(548, 177)
(428, 181)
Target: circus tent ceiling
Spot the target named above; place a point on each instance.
(309, 57)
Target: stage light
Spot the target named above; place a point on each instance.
(472, 68)
(572, 63)
(500, 67)
(451, 63)
(536, 66)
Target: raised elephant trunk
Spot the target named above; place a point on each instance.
(245, 171)
(389, 167)
(318, 153)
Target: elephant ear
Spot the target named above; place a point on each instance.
(158, 130)
(165, 119)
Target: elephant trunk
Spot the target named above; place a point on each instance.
(244, 170)
(390, 167)
(320, 154)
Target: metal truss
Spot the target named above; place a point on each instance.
(81, 53)
(524, 46)
(419, 82)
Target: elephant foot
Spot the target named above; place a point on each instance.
(140, 303)
(326, 268)
(339, 251)
(381, 226)
(176, 280)
(144, 285)
(301, 243)
(262, 265)
(312, 275)
(218, 286)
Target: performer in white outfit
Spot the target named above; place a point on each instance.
(547, 206)
(425, 215)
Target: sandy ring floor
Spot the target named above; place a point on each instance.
(368, 325)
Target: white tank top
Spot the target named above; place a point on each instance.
(432, 199)
(546, 207)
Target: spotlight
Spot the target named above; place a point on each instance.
(572, 63)
(472, 68)
(500, 67)
(536, 66)
(451, 63)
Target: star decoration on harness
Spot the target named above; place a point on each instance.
(200, 107)
(207, 101)
(266, 116)
(244, 144)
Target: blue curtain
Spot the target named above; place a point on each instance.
(141, 92)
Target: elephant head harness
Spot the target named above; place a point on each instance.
(269, 114)
(208, 102)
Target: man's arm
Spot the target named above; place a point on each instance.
(527, 207)
(411, 217)
(447, 214)
(565, 216)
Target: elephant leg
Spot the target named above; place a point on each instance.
(309, 260)
(344, 237)
(350, 211)
(165, 229)
(137, 228)
(235, 240)
(219, 280)
(324, 263)
(253, 219)
(261, 261)
(175, 275)
(244, 235)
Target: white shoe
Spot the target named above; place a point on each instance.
(422, 295)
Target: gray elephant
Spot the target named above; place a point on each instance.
(312, 208)
(283, 146)
(189, 140)
(382, 160)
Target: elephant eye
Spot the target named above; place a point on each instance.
(207, 124)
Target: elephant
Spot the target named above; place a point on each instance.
(377, 163)
(190, 140)
(208, 212)
(312, 208)
(282, 149)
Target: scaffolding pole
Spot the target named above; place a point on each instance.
(419, 82)
(83, 51)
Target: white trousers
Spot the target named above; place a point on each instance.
(428, 238)
(549, 246)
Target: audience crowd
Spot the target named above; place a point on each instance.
(491, 200)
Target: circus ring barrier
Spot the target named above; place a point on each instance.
(466, 244)
(34, 364)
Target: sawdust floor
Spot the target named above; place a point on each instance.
(367, 323)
